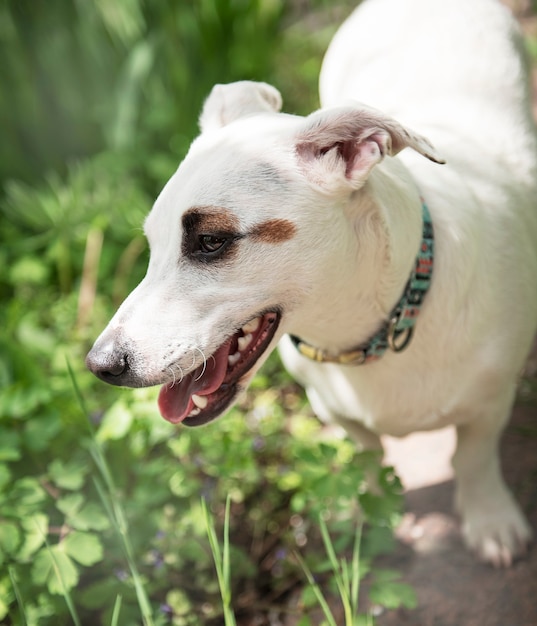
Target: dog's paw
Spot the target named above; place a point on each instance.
(497, 535)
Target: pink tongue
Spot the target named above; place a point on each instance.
(175, 399)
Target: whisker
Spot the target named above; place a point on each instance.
(204, 363)
(177, 372)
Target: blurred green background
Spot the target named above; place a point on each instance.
(99, 497)
(99, 101)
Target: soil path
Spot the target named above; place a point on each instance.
(453, 588)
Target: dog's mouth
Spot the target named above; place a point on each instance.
(205, 393)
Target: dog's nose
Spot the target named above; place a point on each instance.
(109, 364)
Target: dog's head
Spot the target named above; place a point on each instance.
(238, 236)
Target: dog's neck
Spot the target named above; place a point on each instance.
(365, 281)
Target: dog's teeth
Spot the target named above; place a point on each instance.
(251, 326)
(200, 401)
(245, 341)
(234, 358)
(195, 411)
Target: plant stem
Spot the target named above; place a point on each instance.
(221, 560)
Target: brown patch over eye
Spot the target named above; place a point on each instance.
(273, 231)
(211, 219)
(209, 234)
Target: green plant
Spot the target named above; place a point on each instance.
(127, 76)
(135, 480)
(221, 560)
(347, 577)
(100, 513)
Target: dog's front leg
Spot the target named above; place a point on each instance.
(492, 523)
(364, 438)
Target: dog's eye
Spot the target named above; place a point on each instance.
(210, 244)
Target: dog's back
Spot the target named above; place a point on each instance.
(453, 70)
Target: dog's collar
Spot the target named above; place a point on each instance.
(397, 331)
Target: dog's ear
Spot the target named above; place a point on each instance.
(228, 102)
(337, 148)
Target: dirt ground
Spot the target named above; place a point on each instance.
(453, 588)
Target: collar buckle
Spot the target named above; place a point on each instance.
(394, 335)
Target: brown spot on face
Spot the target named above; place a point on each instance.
(273, 231)
(211, 219)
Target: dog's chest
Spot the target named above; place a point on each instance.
(385, 398)
(382, 404)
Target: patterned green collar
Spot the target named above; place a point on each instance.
(397, 331)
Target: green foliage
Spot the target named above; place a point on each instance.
(142, 484)
(82, 77)
(100, 514)
(389, 592)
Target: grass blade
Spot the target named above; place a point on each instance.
(341, 573)
(13, 577)
(316, 590)
(80, 398)
(118, 520)
(225, 563)
(221, 559)
(346, 576)
(112, 504)
(355, 565)
(328, 545)
(117, 609)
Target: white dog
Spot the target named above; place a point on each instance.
(309, 230)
